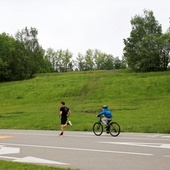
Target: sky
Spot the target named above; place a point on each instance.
(79, 25)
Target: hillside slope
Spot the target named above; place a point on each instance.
(139, 101)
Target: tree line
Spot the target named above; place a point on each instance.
(62, 61)
(147, 49)
(21, 57)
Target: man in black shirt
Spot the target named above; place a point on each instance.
(64, 114)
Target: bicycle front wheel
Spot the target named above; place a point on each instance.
(97, 129)
(114, 129)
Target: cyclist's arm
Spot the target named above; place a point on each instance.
(101, 113)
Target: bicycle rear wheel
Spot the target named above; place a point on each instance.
(114, 129)
(97, 129)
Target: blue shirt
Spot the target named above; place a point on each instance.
(106, 112)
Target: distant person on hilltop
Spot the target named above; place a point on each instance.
(64, 114)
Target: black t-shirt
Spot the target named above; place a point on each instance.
(64, 111)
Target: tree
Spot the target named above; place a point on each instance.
(11, 59)
(117, 63)
(33, 52)
(80, 62)
(141, 48)
(108, 62)
(99, 60)
(58, 61)
(22, 57)
(89, 60)
(63, 61)
(66, 60)
(164, 50)
(50, 56)
(5, 73)
(7, 46)
(123, 63)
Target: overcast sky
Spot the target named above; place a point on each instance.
(79, 25)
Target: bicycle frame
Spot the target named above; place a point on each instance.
(113, 128)
(100, 121)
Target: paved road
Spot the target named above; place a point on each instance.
(85, 151)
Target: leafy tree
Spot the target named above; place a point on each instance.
(164, 50)
(123, 63)
(58, 61)
(103, 61)
(99, 60)
(32, 50)
(11, 59)
(66, 60)
(80, 62)
(141, 50)
(70, 66)
(46, 66)
(89, 63)
(6, 47)
(50, 55)
(108, 62)
(5, 73)
(117, 63)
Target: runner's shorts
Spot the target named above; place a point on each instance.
(63, 120)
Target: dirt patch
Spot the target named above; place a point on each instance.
(90, 111)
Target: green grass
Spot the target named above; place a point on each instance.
(139, 101)
(6, 165)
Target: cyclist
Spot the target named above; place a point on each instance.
(107, 116)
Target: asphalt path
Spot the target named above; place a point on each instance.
(85, 151)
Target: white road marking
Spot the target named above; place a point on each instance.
(8, 150)
(153, 145)
(8, 157)
(167, 156)
(165, 136)
(87, 135)
(80, 149)
(154, 135)
(30, 159)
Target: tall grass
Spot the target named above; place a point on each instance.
(139, 101)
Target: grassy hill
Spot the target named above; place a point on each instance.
(140, 102)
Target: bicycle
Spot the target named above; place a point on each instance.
(113, 128)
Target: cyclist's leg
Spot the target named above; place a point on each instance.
(108, 126)
(109, 120)
(104, 121)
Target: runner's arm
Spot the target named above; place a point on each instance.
(69, 113)
(60, 113)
